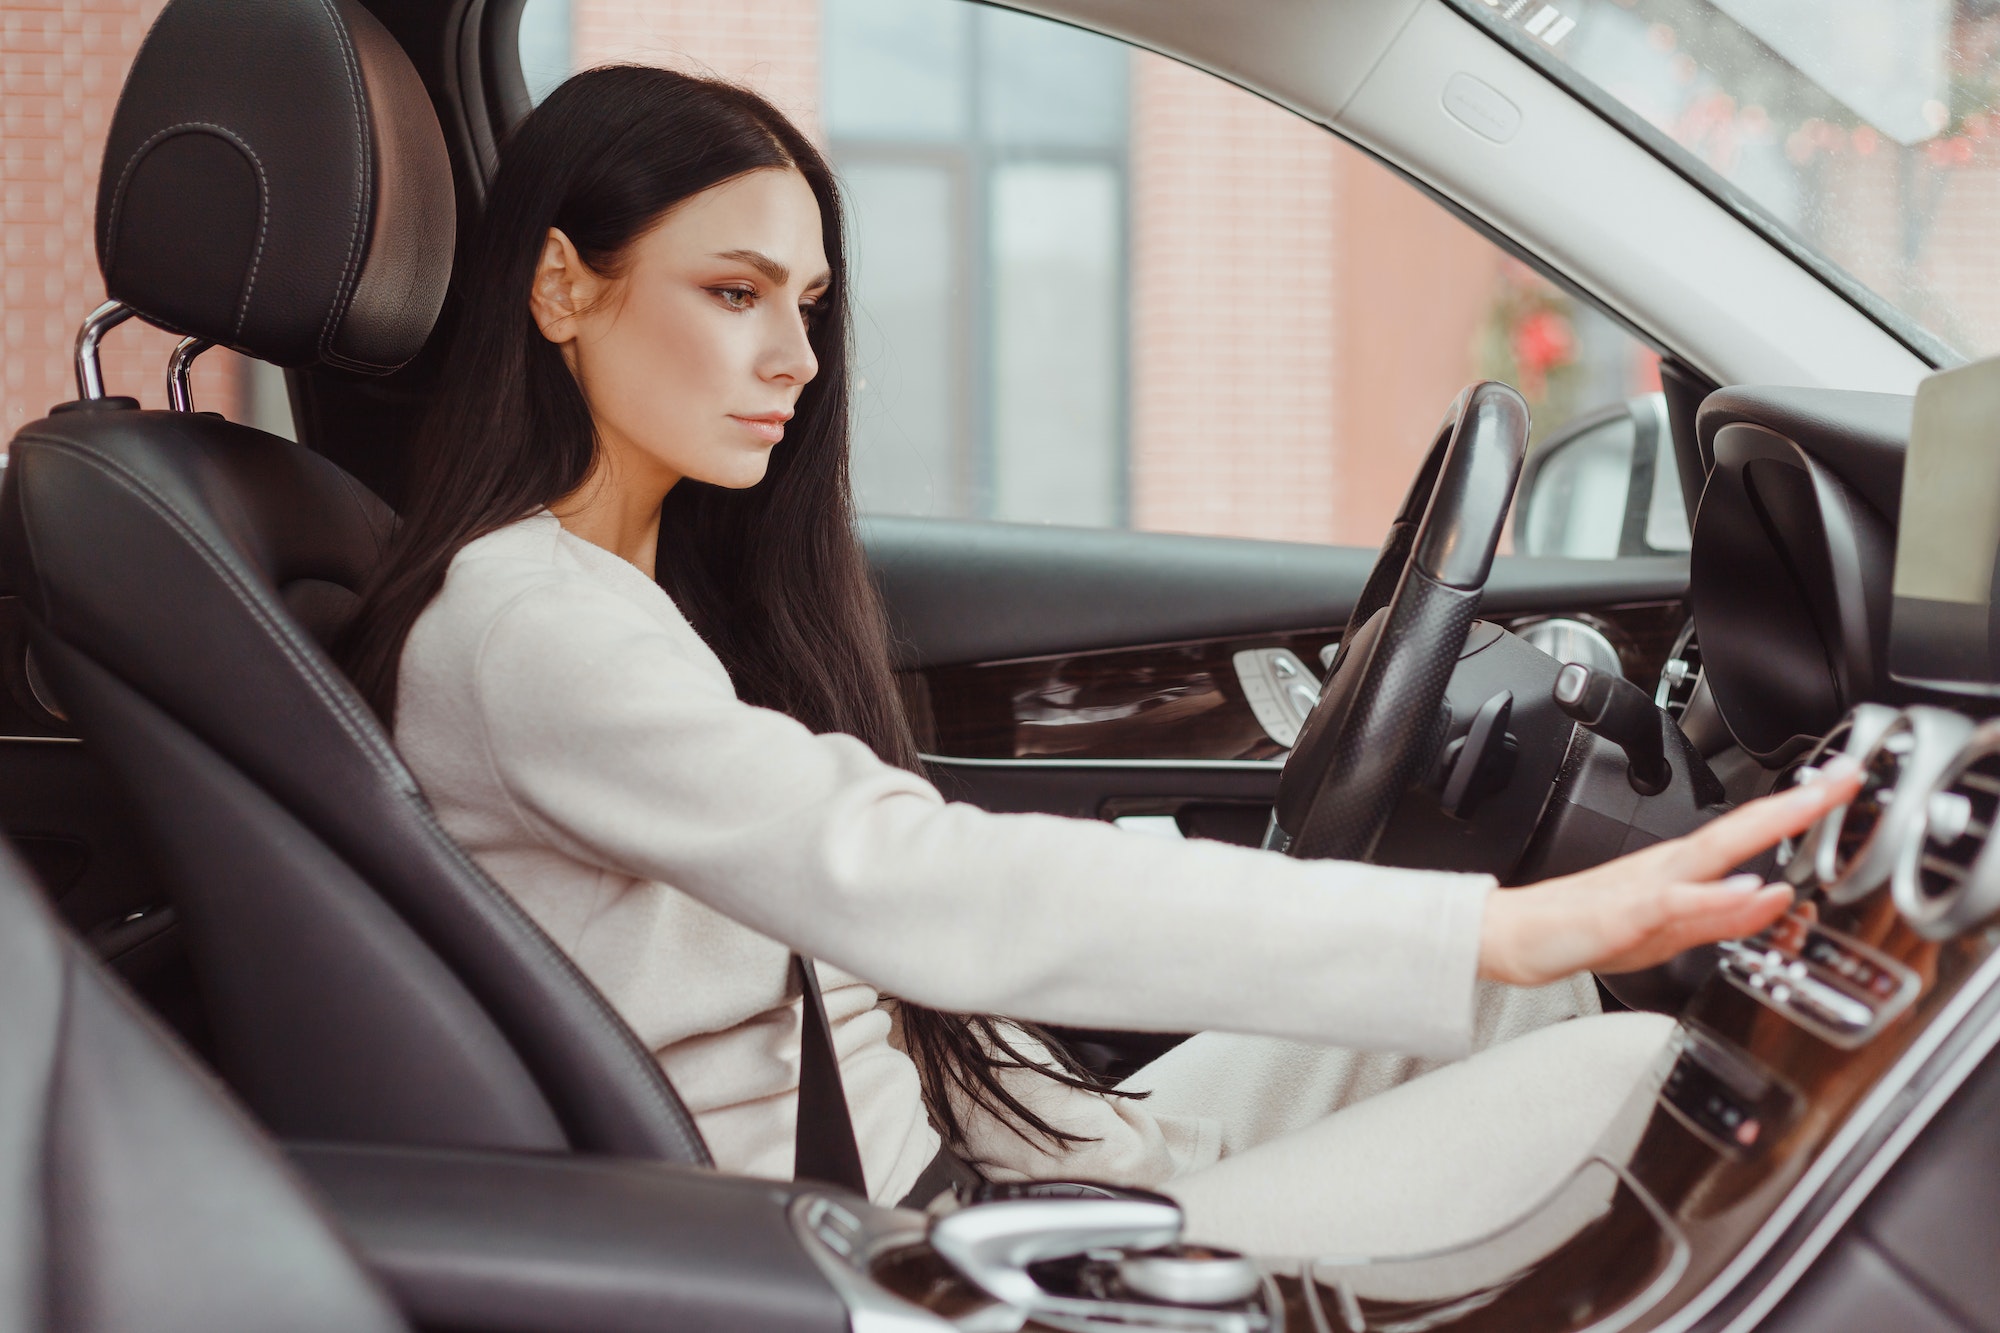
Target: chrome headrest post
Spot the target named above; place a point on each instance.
(89, 376)
(178, 367)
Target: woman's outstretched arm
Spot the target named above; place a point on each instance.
(616, 742)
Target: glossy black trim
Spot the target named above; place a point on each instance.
(961, 591)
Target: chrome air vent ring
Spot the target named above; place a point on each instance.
(1947, 878)
(1807, 859)
(1859, 844)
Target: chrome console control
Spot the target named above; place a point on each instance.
(1947, 879)
(1828, 983)
(1191, 1275)
(1070, 1256)
(843, 1239)
(992, 1245)
(1860, 843)
(1807, 860)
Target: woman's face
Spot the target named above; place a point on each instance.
(694, 356)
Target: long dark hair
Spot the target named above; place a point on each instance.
(772, 577)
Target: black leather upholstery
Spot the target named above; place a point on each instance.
(365, 980)
(528, 1243)
(275, 181)
(132, 1196)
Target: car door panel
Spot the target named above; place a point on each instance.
(1092, 673)
(962, 592)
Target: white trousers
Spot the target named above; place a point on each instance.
(1336, 1152)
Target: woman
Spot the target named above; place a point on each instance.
(628, 643)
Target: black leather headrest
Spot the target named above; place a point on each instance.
(275, 181)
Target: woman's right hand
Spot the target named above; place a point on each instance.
(1642, 909)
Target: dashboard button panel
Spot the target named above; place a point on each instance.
(1723, 1095)
(1830, 984)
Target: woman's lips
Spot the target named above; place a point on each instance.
(769, 428)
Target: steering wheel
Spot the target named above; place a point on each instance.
(1380, 717)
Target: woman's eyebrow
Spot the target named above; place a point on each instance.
(777, 274)
(763, 263)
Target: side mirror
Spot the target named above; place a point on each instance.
(1604, 486)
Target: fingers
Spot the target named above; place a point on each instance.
(1691, 915)
(1751, 828)
(1715, 912)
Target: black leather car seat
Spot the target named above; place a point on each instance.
(275, 181)
(133, 1196)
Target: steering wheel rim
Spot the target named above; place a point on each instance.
(1380, 716)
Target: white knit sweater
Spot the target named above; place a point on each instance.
(585, 745)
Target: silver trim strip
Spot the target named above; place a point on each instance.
(1843, 1145)
(1857, 1192)
(1272, 766)
(41, 740)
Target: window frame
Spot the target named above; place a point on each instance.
(1921, 342)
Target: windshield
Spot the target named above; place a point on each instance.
(1866, 130)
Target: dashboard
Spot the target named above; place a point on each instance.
(1803, 1064)
(1793, 551)
(1806, 1061)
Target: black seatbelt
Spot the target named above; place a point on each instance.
(826, 1149)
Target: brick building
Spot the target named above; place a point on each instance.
(1286, 318)
(61, 64)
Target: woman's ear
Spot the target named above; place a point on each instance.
(563, 288)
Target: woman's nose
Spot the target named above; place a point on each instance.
(790, 359)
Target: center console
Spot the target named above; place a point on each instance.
(1802, 1068)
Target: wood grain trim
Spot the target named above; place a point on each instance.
(1168, 701)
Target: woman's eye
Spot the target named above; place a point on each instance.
(736, 298)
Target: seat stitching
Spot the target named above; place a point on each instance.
(532, 934)
(263, 198)
(363, 182)
(386, 766)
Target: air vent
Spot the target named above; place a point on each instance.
(1795, 854)
(1945, 881)
(1956, 827)
(1866, 843)
(1865, 813)
(1807, 860)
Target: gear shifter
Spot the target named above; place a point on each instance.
(992, 1244)
(1620, 712)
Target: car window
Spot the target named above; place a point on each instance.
(1094, 286)
(64, 66)
(1865, 132)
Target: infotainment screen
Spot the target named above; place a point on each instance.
(1944, 629)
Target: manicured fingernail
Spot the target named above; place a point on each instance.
(1745, 883)
(1840, 766)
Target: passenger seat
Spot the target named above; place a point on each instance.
(133, 1196)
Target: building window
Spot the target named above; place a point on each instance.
(984, 155)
